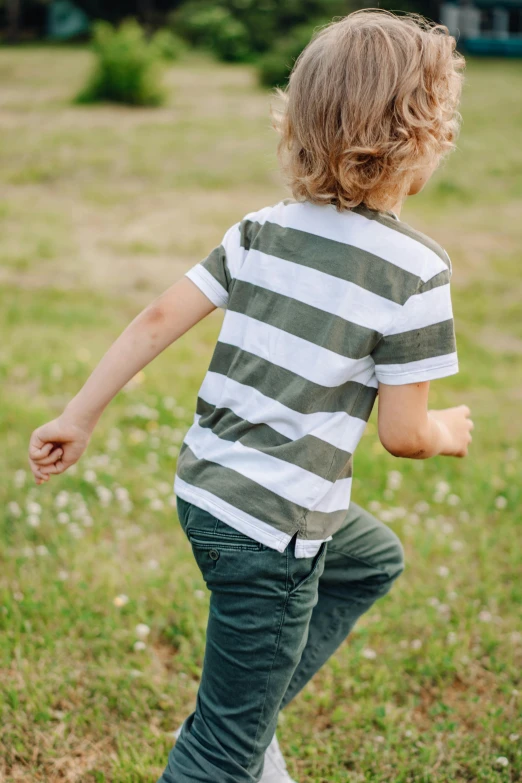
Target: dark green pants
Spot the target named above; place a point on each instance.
(274, 620)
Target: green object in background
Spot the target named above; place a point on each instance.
(128, 67)
(65, 20)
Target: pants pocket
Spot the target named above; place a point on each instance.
(301, 577)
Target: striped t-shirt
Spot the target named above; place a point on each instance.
(320, 306)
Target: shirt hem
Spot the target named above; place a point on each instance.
(207, 285)
(303, 547)
(418, 376)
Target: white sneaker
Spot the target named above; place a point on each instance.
(274, 770)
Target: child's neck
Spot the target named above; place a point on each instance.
(397, 207)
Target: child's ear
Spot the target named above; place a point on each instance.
(420, 177)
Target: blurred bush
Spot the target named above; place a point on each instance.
(242, 30)
(274, 67)
(127, 68)
(213, 27)
(170, 46)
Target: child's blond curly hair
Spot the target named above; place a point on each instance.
(373, 98)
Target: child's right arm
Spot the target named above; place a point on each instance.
(58, 444)
(408, 429)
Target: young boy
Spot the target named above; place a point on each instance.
(330, 300)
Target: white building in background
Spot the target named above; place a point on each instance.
(485, 26)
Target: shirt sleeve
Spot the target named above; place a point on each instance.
(213, 275)
(421, 344)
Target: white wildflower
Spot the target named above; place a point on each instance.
(413, 518)
(27, 551)
(33, 520)
(500, 502)
(516, 637)
(75, 530)
(120, 600)
(369, 654)
(56, 372)
(153, 565)
(199, 594)
(139, 646)
(14, 509)
(168, 402)
(374, 506)
(104, 495)
(121, 493)
(421, 507)
(514, 737)
(379, 738)
(451, 638)
(18, 596)
(394, 479)
(63, 518)
(416, 644)
(443, 487)
(447, 528)
(433, 601)
(89, 476)
(157, 504)
(137, 436)
(485, 616)
(457, 545)
(142, 631)
(61, 499)
(502, 761)
(19, 478)
(62, 575)
(408, 733)
(33, 508)
(453, 500)
(41, 550)
(172, 451)
(443, 571)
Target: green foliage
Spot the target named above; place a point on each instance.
(239, 30)
(169, 45)
(127, 67)
(274, 67)
(214, 27)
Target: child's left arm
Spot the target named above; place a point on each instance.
(57, 445)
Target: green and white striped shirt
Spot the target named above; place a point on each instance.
(320, 306)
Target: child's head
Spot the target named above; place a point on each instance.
(370, 110)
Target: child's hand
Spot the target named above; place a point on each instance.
(56, 446)
(456, 426)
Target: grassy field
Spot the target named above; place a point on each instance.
(100, 210)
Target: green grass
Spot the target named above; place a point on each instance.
(102, 208)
